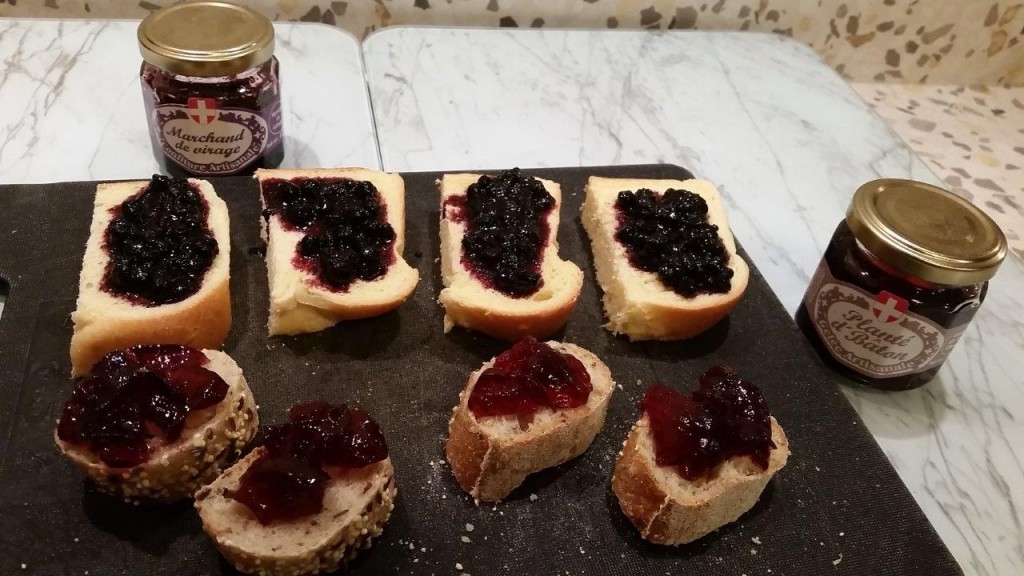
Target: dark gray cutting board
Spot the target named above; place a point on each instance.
(837, 508)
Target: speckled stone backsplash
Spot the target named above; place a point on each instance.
(935, 41)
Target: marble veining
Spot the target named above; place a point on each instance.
(787, 142)
(73, 105)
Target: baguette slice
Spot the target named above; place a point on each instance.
(297, 303)
(668, 509)
(177, 470)
(470, 304)
(104, 322)
(492, 456)
(355, 511)
(636, 302)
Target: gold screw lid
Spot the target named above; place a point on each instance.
(206, 39)
(926, 232)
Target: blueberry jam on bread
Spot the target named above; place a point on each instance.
(506, 219)
(663, 255)
(319, 441)
(160, 244)
(334, 246)
(669, 234)
(500, 265)
(346, 232)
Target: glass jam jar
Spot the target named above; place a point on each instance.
(899, 283)
(211, 89)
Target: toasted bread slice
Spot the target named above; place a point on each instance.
(636, 302)
(471, 304)
(298, 304)
(105, 322)
(175, 471)
(668, 509)
(355, 510)
(492, 456)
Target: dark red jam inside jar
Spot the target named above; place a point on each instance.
(899, 283)
(135, 400)
(213, 100)
(319, 442)
(726, 417)
(528, 377)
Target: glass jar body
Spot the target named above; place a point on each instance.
(878, 326)
(216, 126)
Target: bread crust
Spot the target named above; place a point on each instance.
(469, 304)
(175, 472)
(681, 513)
(104, 322)
(489, 465)
(297, 304)
(327, 544)
(637, 304)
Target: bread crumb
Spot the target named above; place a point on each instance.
(841, 534)
(411, 547)
(466, 540)
(753, 552)
(24, 566)
(423, 549)
(458, 566)
(837, 560)
(756, 540)
(533, 497)
(469, 527)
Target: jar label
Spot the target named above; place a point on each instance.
(207, 139)
(874, 334)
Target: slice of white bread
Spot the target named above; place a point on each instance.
(104, 322)
(491, 456)
(213, 439)
(669, 509)
(297, 303)
(470, 304)
(636, 302)
(356, 507)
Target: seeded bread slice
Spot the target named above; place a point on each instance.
(470, 304)
(668, 509)
(104, 322)
(637, 303)
(298, 303)
(356, 507)
(491, 456)
(177, 470)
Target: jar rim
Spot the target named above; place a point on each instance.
(927, 232)
(206, 39)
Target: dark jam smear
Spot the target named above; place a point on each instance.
(347, 235)
(159, 243)
(725, 418)
(506, 220)
(289, 480)
(669, 234)
(136, 399)
(527, 377)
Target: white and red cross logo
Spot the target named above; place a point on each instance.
(202, 110)
(888, 307)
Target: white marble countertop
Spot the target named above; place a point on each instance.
(71, 103)
(784, 138)
(787, 142)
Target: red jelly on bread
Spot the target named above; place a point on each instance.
(319, 442)
(726, 417)
(528, 377)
